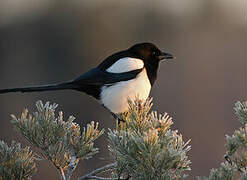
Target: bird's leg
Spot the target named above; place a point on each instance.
(118, 119)
(114, 115)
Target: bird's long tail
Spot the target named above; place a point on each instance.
(50, 87)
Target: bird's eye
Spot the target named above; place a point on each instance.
(154, 53)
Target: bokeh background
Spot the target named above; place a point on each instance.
(46, 41)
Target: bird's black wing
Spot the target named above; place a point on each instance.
(90, 82)
(100, 77)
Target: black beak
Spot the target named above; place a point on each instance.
(165, 56)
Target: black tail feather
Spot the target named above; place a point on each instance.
(50, 87)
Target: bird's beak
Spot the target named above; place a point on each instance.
(165, 56)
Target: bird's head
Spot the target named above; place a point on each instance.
(149, 53)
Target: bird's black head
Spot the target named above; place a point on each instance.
(149, 53)
(151, 56)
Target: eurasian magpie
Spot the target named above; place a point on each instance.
(124, 75)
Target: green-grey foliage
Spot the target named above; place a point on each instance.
(241, 111)
(16, 162)
(225, 172)
(61, 142)
(236, 151)
(145, 147)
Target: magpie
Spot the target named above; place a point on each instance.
(124, 75)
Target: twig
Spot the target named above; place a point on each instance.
(100, 178)
(92, 174)
(67, 172)
(62, 174)
(72, 165)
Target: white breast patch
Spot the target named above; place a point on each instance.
(115, 97)
(125, 65)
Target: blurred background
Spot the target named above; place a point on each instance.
(46, 41)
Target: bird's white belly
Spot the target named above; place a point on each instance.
(115, 97)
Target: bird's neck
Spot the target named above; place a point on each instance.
(152, 70)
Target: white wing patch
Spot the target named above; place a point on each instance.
(125, 65)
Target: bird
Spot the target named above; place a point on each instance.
(121, 77)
